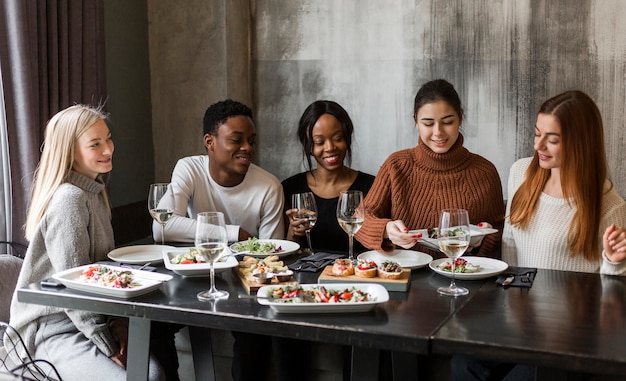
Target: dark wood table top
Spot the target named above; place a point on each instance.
(567, 320)
(405, 323)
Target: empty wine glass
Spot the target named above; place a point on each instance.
(161, 205)
(350, 215)
(211, 240)
(453, 239)
(306, 214)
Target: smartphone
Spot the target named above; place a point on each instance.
(51, 282)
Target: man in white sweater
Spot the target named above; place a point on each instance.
(224, 180)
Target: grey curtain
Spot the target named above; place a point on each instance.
(52, 56)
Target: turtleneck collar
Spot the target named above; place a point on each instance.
(84, 182)
(455, 158)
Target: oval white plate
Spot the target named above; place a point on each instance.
(195, 269)
(408, 259)
(288, 247)
(375, 290)
(149, 281)
(488, 267)
(139, 254)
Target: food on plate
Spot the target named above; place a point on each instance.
(193, 256)
(366, 269)
(319, 294)
(270, 264)
(460, 266)
(434, 233)
(256, 246)
(390, 270)
(108, 277)
(343, 267)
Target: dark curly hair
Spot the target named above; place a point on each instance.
(217, 113)
(310, 117)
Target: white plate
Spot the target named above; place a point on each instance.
(195, 269)
(431, 243)
(488, 267)
(408, 259)
(139, 254)
(288, 247)
(375, 290)
(149, 281)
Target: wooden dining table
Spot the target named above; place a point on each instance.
(569, 321)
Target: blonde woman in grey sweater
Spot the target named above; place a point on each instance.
(68, 225)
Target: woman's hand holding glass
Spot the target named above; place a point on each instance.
(303, 216)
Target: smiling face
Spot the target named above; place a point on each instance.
(548, 141)
(230, 151)
(329, 145)
(93, 151)
(438, 125)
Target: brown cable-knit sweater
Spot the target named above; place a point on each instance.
(415, 184)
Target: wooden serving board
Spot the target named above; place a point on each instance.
(401, 284)
(252, 286)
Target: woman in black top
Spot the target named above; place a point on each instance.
(325, 132)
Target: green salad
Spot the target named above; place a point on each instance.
(256, 246)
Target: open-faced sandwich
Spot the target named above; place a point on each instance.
(366, 269)
(343, 267)
(390, 270)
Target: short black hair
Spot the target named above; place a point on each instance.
(310, 117)
(217, 113)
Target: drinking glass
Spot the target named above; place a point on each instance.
(211, 240)
(350, 215)
(453, 238)
(306, 214)
(161, 205)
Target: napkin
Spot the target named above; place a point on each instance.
(314, 263)
(522, 277)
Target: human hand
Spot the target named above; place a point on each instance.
(119, 331)
(482, 225)
(399, 234)
(296, 229)
(614, 243)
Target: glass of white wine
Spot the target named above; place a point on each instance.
(350, 215)
(453, 238)
(161, 205)
(306, 214)
(211, 240)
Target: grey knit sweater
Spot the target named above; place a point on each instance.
(75, 230)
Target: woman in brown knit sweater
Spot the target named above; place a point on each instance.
(414, 185)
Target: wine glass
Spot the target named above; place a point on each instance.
(350, 215)
(453, 238)
(161, 205)
(211, 240)
(306, 214)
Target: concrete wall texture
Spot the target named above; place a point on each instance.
(504, 57)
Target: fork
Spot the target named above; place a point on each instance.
(525, 278)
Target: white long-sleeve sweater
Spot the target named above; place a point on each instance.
(544, 243)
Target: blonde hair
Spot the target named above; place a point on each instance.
(584, 172)
(57, 158)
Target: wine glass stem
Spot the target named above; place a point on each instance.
(452, 284)
(351, 246)
(162, 234)
(213, 290)
(308, 239)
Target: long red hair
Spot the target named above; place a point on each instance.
(583, 171)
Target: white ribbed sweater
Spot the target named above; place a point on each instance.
(544, 243)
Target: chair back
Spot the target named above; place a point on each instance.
(10, 267)
(17, 361)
